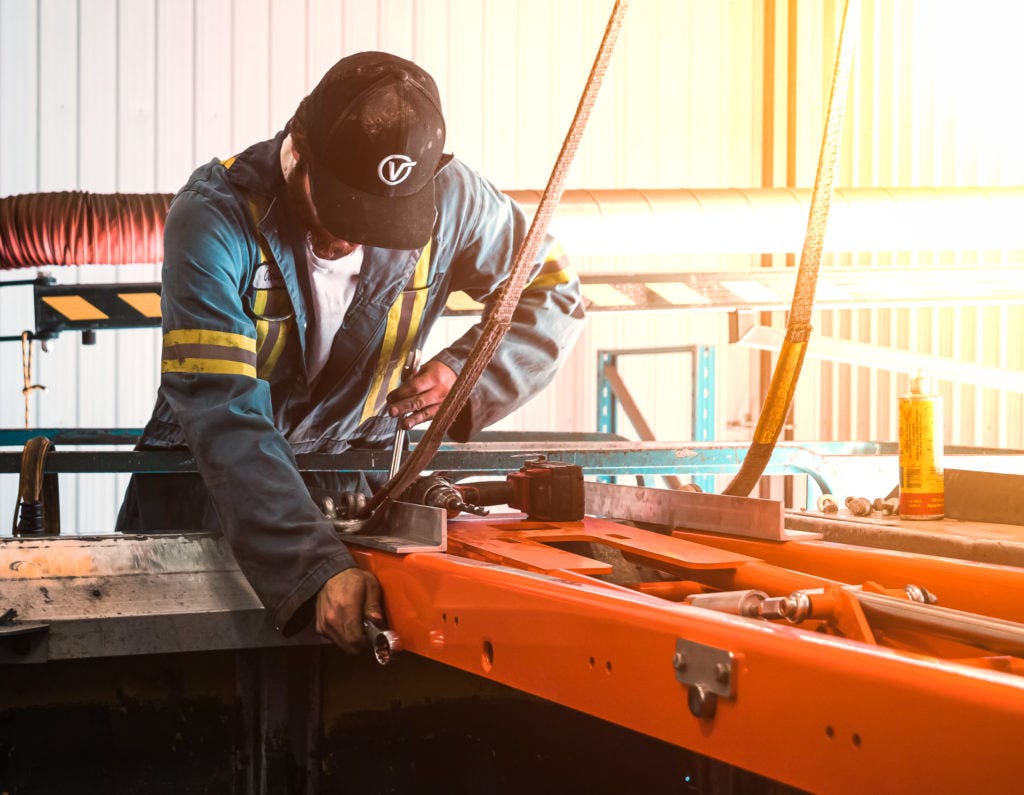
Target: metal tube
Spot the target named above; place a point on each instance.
(773, 220)
(86, 228)
(994, 634)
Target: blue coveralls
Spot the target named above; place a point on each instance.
(234, 388)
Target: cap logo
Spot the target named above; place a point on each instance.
(395, 169)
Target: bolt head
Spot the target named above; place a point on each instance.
(679, 661)
(722, 672)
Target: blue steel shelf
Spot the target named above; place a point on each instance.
(702, 384)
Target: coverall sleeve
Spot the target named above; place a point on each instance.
(546, 322)
(280, 539)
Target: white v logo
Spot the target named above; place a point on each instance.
(395, 169)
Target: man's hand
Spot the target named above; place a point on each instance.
(342, 604)
(421, 395)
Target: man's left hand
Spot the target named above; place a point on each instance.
(419, 397)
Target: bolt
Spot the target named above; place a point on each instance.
(859, 506)
(702, 703)
(773, 607)
(890, 506)
(722, 673)
(827, 504)
(679, 661)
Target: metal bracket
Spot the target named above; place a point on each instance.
(407, 528)
(709, 672)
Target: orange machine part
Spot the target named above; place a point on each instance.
(815, 711)
(985, 588)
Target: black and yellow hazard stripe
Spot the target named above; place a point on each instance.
(400, 333)
(205, 351)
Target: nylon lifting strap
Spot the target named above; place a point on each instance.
(501, 316)
(798, 329)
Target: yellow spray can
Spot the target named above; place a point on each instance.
(922, 494)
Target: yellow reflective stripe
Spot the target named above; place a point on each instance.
(199, 336)
(262, 329)
(561, 276)
(419, 282)
(259, 303)
(419, 276)
(390, 337)
(275, 352)
(460, 302)
(550, 274)
(220, 366)
(556, 252)
(255, 211)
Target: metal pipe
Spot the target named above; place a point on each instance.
(994, 634)
(773, 220)
(89, 228)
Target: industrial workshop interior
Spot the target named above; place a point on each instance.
(511, 396)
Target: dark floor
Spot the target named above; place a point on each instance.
(173, 724)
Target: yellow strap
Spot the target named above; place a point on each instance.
(385, 360)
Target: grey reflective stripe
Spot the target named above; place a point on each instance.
(219, 352)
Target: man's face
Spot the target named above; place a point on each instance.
(324, 244)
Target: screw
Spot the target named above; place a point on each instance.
(679, 661)
(722, 673)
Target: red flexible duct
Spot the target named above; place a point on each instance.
(74, 228)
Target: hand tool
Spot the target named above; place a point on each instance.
(544, 490)
(412, 364)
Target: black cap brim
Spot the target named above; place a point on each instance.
(398, 222)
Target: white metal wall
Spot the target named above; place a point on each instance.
(130, 95)
(933, 102)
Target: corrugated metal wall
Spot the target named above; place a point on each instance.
(130, 95)
(933, 102)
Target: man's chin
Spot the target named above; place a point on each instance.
(331, 249)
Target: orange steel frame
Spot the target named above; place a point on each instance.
(830, 705)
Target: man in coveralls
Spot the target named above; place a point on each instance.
(297, 276)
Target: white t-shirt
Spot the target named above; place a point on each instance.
(332, 284)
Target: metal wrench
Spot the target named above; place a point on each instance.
(412, 364)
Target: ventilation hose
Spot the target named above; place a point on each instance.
(75, 228)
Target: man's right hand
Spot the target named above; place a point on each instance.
(342, 604)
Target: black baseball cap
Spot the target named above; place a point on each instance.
(374, 132)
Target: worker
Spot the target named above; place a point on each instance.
(297, 276)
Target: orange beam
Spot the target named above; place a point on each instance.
(810, 710)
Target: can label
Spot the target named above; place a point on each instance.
(922, 494)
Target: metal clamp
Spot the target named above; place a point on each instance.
(709, 673)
